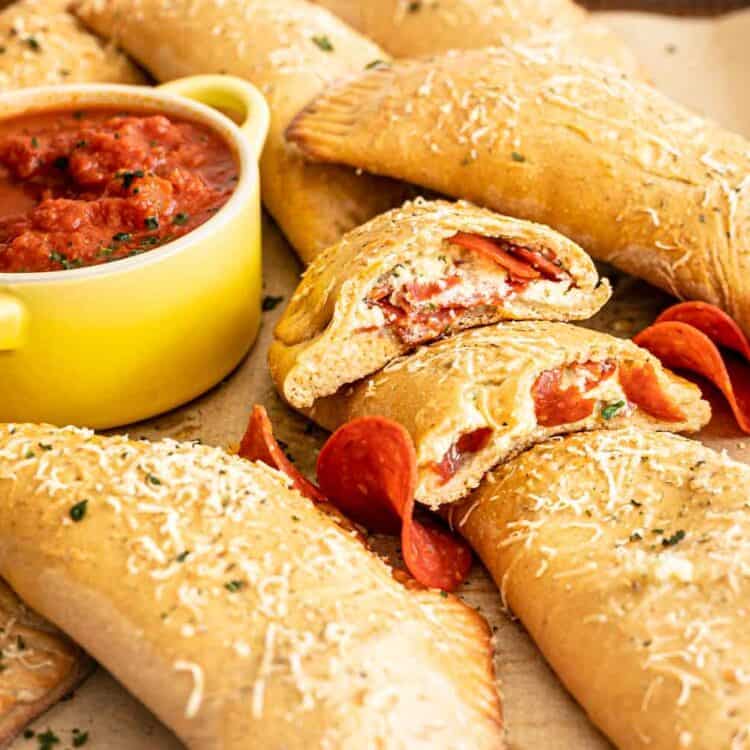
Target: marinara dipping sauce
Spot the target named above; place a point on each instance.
(82, 187)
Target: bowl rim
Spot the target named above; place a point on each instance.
(98, 94)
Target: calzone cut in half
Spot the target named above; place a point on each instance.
(239, 612)
(38, 665)
(634, 178)
(475, 399)
(625, 555)
(418, 273)
(289, 49)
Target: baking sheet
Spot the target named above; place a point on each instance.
(698, 62)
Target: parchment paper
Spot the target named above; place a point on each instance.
(698, 62)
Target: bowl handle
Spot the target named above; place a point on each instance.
(231, 93)
(11, 322)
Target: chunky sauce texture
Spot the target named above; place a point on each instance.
(83, 187)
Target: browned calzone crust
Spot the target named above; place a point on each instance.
(38, 665)
(332, 333)
(230, 605)
(431, 27)
(625, 555)
(290, 50)
(634, 178)
(484, 378)
(44, 44)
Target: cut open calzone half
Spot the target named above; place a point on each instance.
(625, 555)
(475, 399)
(43, 44)
(289, 50)
(232, 606)
(415, 274)
(634, 178)
(38, 665)
(431, 27)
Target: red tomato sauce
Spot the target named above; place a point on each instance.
(79, 188)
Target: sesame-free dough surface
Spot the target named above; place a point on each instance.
(231, 605)
(332, 333)
(44, 44)
(484, 379)
(634, 178)
(431, 27)
(38, 665)
(290, 50)
(624, 555)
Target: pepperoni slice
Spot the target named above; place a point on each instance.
(642, 387)
(368, 470)
(492, 249)
(259, 444)
(469, 442)
(681, 345)
(712, 321)
(536, 260)
(555, 405)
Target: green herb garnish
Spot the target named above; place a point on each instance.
(128, 177)
(153, 479)
(181, 219)
(151, 222)
(80, 738)
(676, 538)
(270, 302)
(610, 410)
(61, 162)
(33, 43)
(47, 739)
(34, 142)
(377, 64)
(78, 511)
(121, 237)
(517, 157)
(234, 586)
(323, 42)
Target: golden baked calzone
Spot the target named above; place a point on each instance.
(473, 400)
(289, 50)
(430, 27)
(632, 177)
(38, 665)
(232, 606)
(417, 273)
(43, 44)
(625, 555)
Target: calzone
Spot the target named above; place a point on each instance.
(631, 176)
(43, 44)
(625, 555)
(232, 606)
(414, 274)
(475, 399)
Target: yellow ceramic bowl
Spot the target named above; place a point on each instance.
(111, 344)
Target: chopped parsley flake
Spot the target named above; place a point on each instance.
(181, 219)
(517, 157)
(121, 237)
(152, 479)
(128, 177)
(78, 511)
(676, 538)
(47, 740)
(610, 410)
(33, 43)
(377, 64)
(270, 302)
(61, 162)
(34, 142)
(80, 738)
(234, 586)
(151, 222)
(323, 42)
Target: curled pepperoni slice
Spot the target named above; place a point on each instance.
(368, 470)
(259, 444)
(712, 321)
(688, 337)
